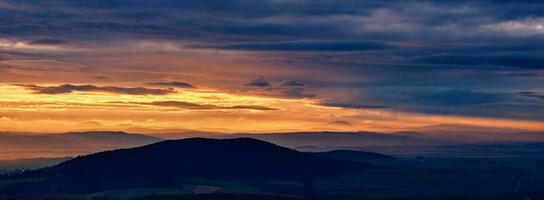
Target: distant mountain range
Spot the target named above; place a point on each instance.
(477, 134)
(326, 141)
(359, 156)
(19, 146)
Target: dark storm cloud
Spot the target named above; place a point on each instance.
(325, 25)
(187, 105)
(190, 19)
(244, 21)
(309, 46)
(173, 84)
(68, 88)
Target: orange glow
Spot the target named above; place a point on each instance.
(24, 111)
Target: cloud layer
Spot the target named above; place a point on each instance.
(187, 105)
(173, 84)
(463, 58)
(68, 88)
(308, 46)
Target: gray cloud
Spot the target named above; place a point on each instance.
(532, 95)
(260, 82)
(316, 45)
(292, 83)
(68, 88)
(187, 105)
(341, 123)
(173, 84)
(524, 60)
(446, 102)
(47, 41)
(291, 89)
(463, 97)
(353, 105)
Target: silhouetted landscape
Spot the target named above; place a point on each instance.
(246, 168)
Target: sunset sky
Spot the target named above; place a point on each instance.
(272, 66)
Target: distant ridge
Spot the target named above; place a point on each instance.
(18, 145)
(324, 141)
(360, 156)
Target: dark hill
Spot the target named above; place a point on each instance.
(176, 162)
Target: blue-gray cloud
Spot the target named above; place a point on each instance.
(354, 105)
(194, 106)
(47, 41)
(532, 95)
(524, 60)
(446, 102)
(68, 88)
(270, 20)
(463, 97)
(341, 45)
(292, 83)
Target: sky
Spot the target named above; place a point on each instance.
(270, 65)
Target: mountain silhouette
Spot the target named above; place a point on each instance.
(174, 163)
